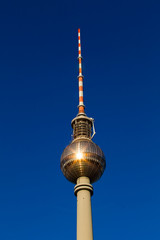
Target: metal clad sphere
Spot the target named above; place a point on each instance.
(82, 158)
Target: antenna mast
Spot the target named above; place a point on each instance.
(80, 77)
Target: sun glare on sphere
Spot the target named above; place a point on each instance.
(79, 155)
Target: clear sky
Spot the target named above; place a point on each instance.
(39, 98)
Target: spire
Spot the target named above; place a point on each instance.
(80, 77)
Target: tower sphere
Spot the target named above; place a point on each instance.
(82, 158)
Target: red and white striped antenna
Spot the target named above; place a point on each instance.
(80, 77)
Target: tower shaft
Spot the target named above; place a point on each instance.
(83, 191)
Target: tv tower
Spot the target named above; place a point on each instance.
(82, 161)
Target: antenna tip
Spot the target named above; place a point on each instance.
(79, 30)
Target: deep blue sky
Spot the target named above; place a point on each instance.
(39, 98)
